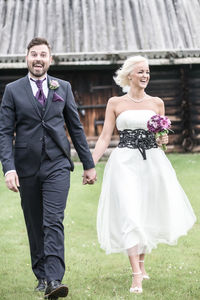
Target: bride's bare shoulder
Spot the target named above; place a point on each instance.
(115, 100)
(158, 104)
(156, 100)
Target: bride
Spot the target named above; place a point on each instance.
(141, 202)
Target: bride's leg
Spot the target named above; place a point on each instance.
(142, 268)
(136, 286)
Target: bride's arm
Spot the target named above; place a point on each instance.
(162, 139)
(107, 131)
(161, 107)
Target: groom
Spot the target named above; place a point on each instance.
(36, 160)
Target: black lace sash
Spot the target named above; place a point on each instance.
(137, 139)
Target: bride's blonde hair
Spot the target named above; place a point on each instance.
(121, 77)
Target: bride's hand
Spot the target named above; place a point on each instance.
(164, 139)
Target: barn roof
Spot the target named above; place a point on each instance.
(101, 31)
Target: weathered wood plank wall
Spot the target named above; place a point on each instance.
(193, 108)
(178, 86)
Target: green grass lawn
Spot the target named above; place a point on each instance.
(90, 273)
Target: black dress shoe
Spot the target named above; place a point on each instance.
(41, 287)
(55, 290)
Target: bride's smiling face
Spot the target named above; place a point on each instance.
(140, 75)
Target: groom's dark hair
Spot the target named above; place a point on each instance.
(38, 41)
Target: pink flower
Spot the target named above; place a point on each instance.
(165, 123)
(53, 84)
(159, 125)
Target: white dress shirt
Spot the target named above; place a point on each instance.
(35, 88)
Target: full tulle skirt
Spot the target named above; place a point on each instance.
(141, 204)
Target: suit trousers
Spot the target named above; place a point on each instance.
(43, 200)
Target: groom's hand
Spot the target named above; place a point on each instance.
(12, 181)
(89, 176)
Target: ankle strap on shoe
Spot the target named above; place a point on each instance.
(139, 273)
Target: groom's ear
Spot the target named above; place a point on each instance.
(54, 59)
(26, 57)
(51, 59)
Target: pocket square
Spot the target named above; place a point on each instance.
(56, 97)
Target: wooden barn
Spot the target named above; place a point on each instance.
(91, 38)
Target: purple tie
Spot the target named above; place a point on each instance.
(40, 96)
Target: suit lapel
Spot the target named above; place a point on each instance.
(30, 95)
(50, 96)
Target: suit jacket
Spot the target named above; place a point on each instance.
(20, 114)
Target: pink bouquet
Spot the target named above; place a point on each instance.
(159, 125)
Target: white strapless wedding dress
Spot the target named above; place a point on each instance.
(141, 202)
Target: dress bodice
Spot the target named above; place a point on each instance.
(133, 119)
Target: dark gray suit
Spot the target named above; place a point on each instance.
(41, 157)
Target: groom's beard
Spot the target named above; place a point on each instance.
(38, 68)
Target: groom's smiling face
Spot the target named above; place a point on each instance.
(38, 60)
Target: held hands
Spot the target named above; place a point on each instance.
(89, 176)
(12, 181)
